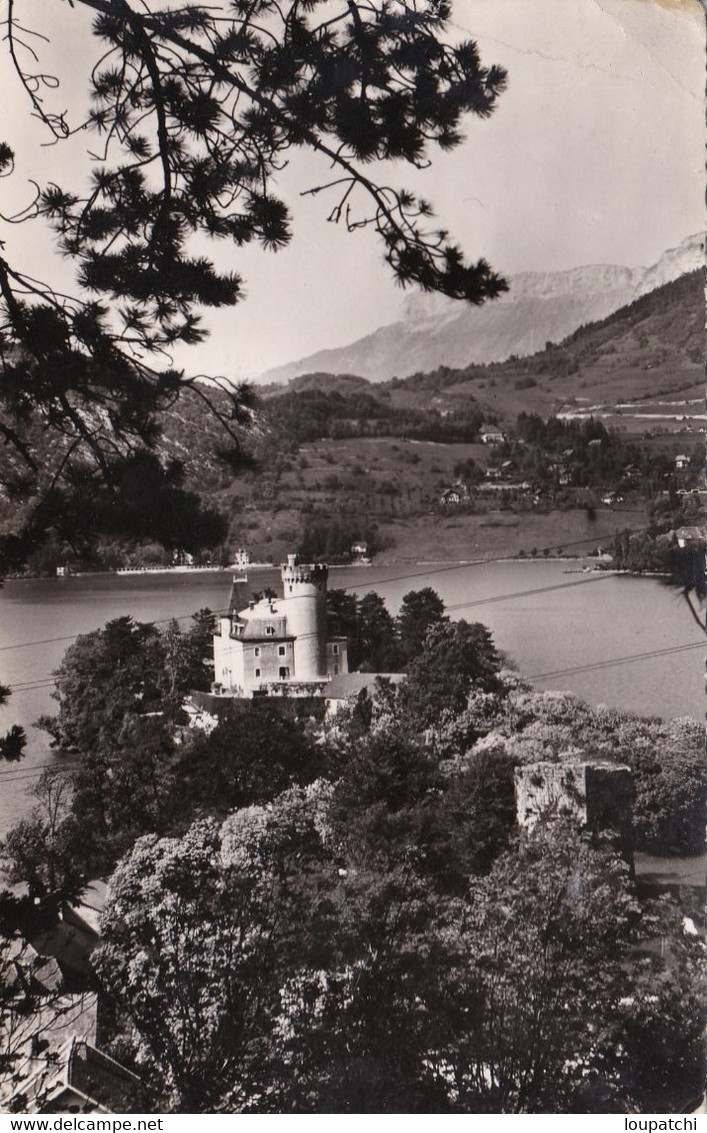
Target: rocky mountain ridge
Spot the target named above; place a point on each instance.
(540, 307)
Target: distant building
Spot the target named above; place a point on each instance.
(492, 437)
(682, 462)
(241, 560)
(360, 553)
(631, 472)
(562, 471)
(451, 496)
(182, 558)
(278, 645)
(57, 1066)
(565, 475)
(84, 1079)
(74, 935)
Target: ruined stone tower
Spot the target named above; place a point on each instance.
(596, 795)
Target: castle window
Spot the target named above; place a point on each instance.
(270, 631)
(284, 673)
(335, 650)
(257, 651)
(257, 672)
(336, 669)
(281, 650)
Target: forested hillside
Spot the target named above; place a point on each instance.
(362, 458)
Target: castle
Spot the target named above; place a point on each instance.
(278, 646)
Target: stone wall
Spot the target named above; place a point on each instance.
(293, 707)
(597, 796)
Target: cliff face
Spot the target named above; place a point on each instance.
(540, 307)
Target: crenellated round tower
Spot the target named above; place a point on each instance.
(304, 591)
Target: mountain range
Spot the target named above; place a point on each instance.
(540, 307)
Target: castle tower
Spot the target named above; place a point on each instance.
(304, 591)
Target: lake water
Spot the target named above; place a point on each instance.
(564, 630)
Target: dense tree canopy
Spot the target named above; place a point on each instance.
(345, 916)
(200, 933)
(420, 610)
(120, 692)
(454, 658)
(267, 965)
(14, 741)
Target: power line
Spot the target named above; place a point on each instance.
(25, 778)
(25, 773)
(630, 659)
(73, 636)
(38, 768)
(431, 569)
(42, 641)
(527, 593)
(611, 661)
(16, 690)
(45, 682)
(31, 686)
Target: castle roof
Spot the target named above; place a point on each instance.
(239, 593)
(262, 620)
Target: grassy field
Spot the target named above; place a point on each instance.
(396, 484)
(438, 538)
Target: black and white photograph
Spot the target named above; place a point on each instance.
(353, 601)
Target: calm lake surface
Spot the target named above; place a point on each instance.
(561, 628)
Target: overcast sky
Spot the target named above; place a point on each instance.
(594, 155)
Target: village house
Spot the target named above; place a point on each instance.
(182, 558)
(458, 494)
(690, 537)
(562, 472)
(360, 553)
(492, 437)
(50, 1024)
(348, 687)
(631, 472)
(682, 462)
(450, 496)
